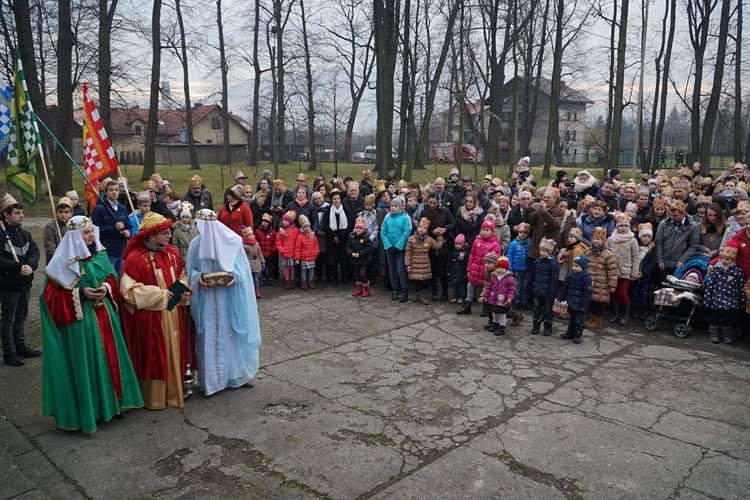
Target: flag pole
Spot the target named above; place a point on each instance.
(49, 190)
(127, 195)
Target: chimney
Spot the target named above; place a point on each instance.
(197, 105)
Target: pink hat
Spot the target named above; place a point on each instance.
(489, 223)
(460, 239)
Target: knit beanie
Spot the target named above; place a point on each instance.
(491, 257)
(460, 239)
(576, 233)
(504, 263)
(360, 224)
(582, 261)
(489, 223)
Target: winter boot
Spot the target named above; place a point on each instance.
(728, 335)
(713, 334)
(624, 314)
(547, 328)
(358, 291)
(577, 338)
(517, 318)
(303, 285)
(311, 284)
(421, 297)
(465, 309)
(596, 322)
(394, 294)
(483, 313)
(499, 330)
(568, 335)
(366, 292)
(634, 311)
(489, 325)
(536, 327)
(616, 317)
(257, 293)
(403, 296)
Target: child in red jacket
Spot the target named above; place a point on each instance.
(266, 236)
(285, 244)
(306, 250)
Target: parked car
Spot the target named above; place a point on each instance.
(360, 157)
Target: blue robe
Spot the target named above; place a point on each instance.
(226, 321)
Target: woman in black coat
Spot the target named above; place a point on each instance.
(335, 224)
(469, 219)
(441, 224)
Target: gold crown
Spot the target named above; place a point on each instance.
(8, 201)
(206, 214)
(79, 222)
(186, 206)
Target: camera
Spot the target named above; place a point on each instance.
(570, 184)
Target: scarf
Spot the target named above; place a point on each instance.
(597, 251)
(621, 238)
(301, 203)
(340, 223)
(583, 186)
(468, 215)
(276, 200)
(384, 205)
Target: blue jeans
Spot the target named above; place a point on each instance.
(521, 277)
(459, 289)
(575, 322)
(543, 309)
(116, 262)
(396, 269)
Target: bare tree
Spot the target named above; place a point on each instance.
(309, 90)
(386, 28)
(224, 69)
(182, 55)
(738, 86)
(670, 12)
(149, 155)
(617, 104)
(106, 16)
(699, 26)
(61, 180)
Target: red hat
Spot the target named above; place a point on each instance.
(504, 263)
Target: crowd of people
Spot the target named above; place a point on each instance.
(153, 285)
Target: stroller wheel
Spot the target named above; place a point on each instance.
(652, 324)
(683, 330)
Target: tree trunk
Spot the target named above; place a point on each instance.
(149, 156)
(104, 71)
(671, 10)
(61, 181)
(194, 165)
(254, 137)
(654, 151)
(22, 17)
(224, 68)
(532, 83)
(386, 27)
(617, 103)
(554, 105)
(738, 87)
(699, 17)
(405, 94)
(310, 101)
(712, 109)
(280, 150)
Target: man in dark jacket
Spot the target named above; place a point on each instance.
(276, 202)
(517, 214)
(354, 204)
(19, 259)
(609, 196)
(677, 239)
(111, 217)
(198, 195)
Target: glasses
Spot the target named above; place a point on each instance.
(165, 233)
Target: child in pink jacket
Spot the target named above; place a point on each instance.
(499, 292)
(485, 243)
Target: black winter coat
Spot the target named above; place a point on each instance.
(360, 245)
(459, 262)
(542, 281)
(648, 264)
(470, 229)
(576, 290)
(27, 252)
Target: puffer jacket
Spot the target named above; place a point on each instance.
(677, 242)
(542, 281)
(360, 244)
(587, 223)
(479, 249)
(518, 255)
(306, 248)
(628, 257)
(442, 218)
(566, 257)
(724, 288)
(459, 263)
(395, 230)
(502, 231)
(254, 255)
(418, 256)
(576, 290)
(603, 272)
(286, 244)
(266, 240)
(500, 289)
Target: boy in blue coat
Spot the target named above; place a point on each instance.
(520, 262)
(576, 290)
(542, 286)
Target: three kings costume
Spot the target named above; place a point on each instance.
(158, 339)
(226, 316)
(87, 374)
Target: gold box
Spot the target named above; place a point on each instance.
(221, 278)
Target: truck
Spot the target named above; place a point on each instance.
(447, 152)
(370, 154)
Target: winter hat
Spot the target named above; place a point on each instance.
(289, 216)
(576, 233)
(247, 231)
(303, 221)
(659, 203)
(265, 173)
(582, 261)
(642, 191)
(73, 195)
(504, 263)
(646, 228)
(397, 201)
(560, 174)
(614, 172)
(703, 201)
(584, 172)
(64, 202)
(266, 217)
(523, 164)
(453, 171)
(548, 244)
(491, 257)
(601, 233)
(460, 239)
(360, 224)
(728, 251)
(652, 181)
(424, 222)
(523, 226)
(622, 219)
(489, 223)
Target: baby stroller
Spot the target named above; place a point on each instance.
(680, 296)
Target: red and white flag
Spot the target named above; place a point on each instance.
(99, 159)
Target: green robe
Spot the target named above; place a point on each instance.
(77, 384)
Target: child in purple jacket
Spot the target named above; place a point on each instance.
(499, 292)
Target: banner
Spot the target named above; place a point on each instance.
(99, 159)
(24, 141)
(6, 94)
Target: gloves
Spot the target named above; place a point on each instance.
(263, 267)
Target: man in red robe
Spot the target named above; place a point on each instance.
(157, 338)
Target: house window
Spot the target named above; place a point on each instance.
(567, 151)
(138, 130)
(575, 116)
(568, 115)
(209, 141)
(215, 123)
(574, 135)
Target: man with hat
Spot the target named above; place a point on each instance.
(19, 259)
(198, 196)
(365, 185)
(77, 208)
(240, 178)
(157, 337)
(51, 239)
(264, 176)
(677, 239)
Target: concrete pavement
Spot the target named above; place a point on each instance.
(370, 398)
